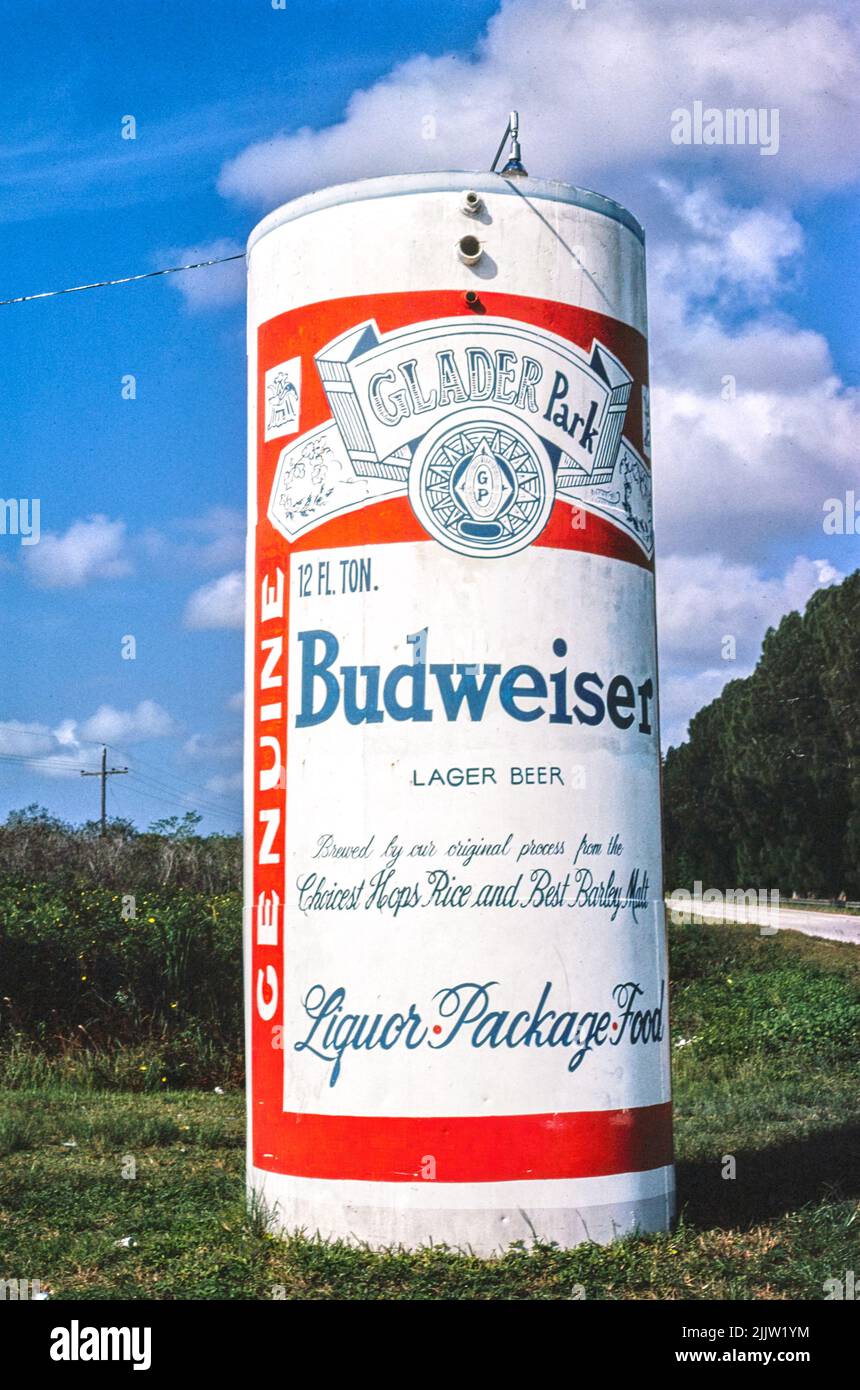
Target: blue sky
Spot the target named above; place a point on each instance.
(78, 203)
(239, 105)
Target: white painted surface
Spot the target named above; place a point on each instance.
(381, 242)
(358, 781)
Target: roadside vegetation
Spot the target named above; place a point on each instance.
(122, 1116)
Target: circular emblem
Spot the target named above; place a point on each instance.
(482, 484)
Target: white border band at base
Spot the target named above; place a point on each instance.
(480, 1218)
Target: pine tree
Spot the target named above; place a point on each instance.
(765, 793)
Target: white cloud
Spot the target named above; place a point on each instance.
(209, 541)
(73, 745)
(730, 472)
(753, 429)
(109, 725)
(68, 760)
(212, 287)
(100, 548)
(596, 88)
(65, 732)
(766, 355)
(702, 600)
(733, 249)
(220, 603)
(24, 740)
(206, 747)
(237, 701)
(224, 784)
(91, 549)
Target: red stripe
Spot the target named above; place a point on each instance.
(393, 520)
(479, 1148)
(596, 536)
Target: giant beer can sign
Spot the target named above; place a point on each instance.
(457, 991)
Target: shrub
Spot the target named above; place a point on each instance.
(79, 977)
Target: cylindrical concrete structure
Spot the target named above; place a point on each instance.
(456, 981)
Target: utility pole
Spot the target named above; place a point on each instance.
(105, 773)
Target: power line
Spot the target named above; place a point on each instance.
(124, 279)
(53, 765)
(168, 782)
(182, 797)
(104, 773)
(179, 805)
(60, 763)
(179, 793)
(150, 796)
(206, 800)
(31, 757)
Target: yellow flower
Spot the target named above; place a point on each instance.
(150, 919)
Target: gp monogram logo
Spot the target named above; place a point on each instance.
(480, 486)
(482, 424)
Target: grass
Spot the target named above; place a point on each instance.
(767, 1074)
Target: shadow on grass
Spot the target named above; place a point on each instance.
(770, 1182)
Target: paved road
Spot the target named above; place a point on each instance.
(833, 926)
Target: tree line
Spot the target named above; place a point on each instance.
(765, 792)
(37, 847)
